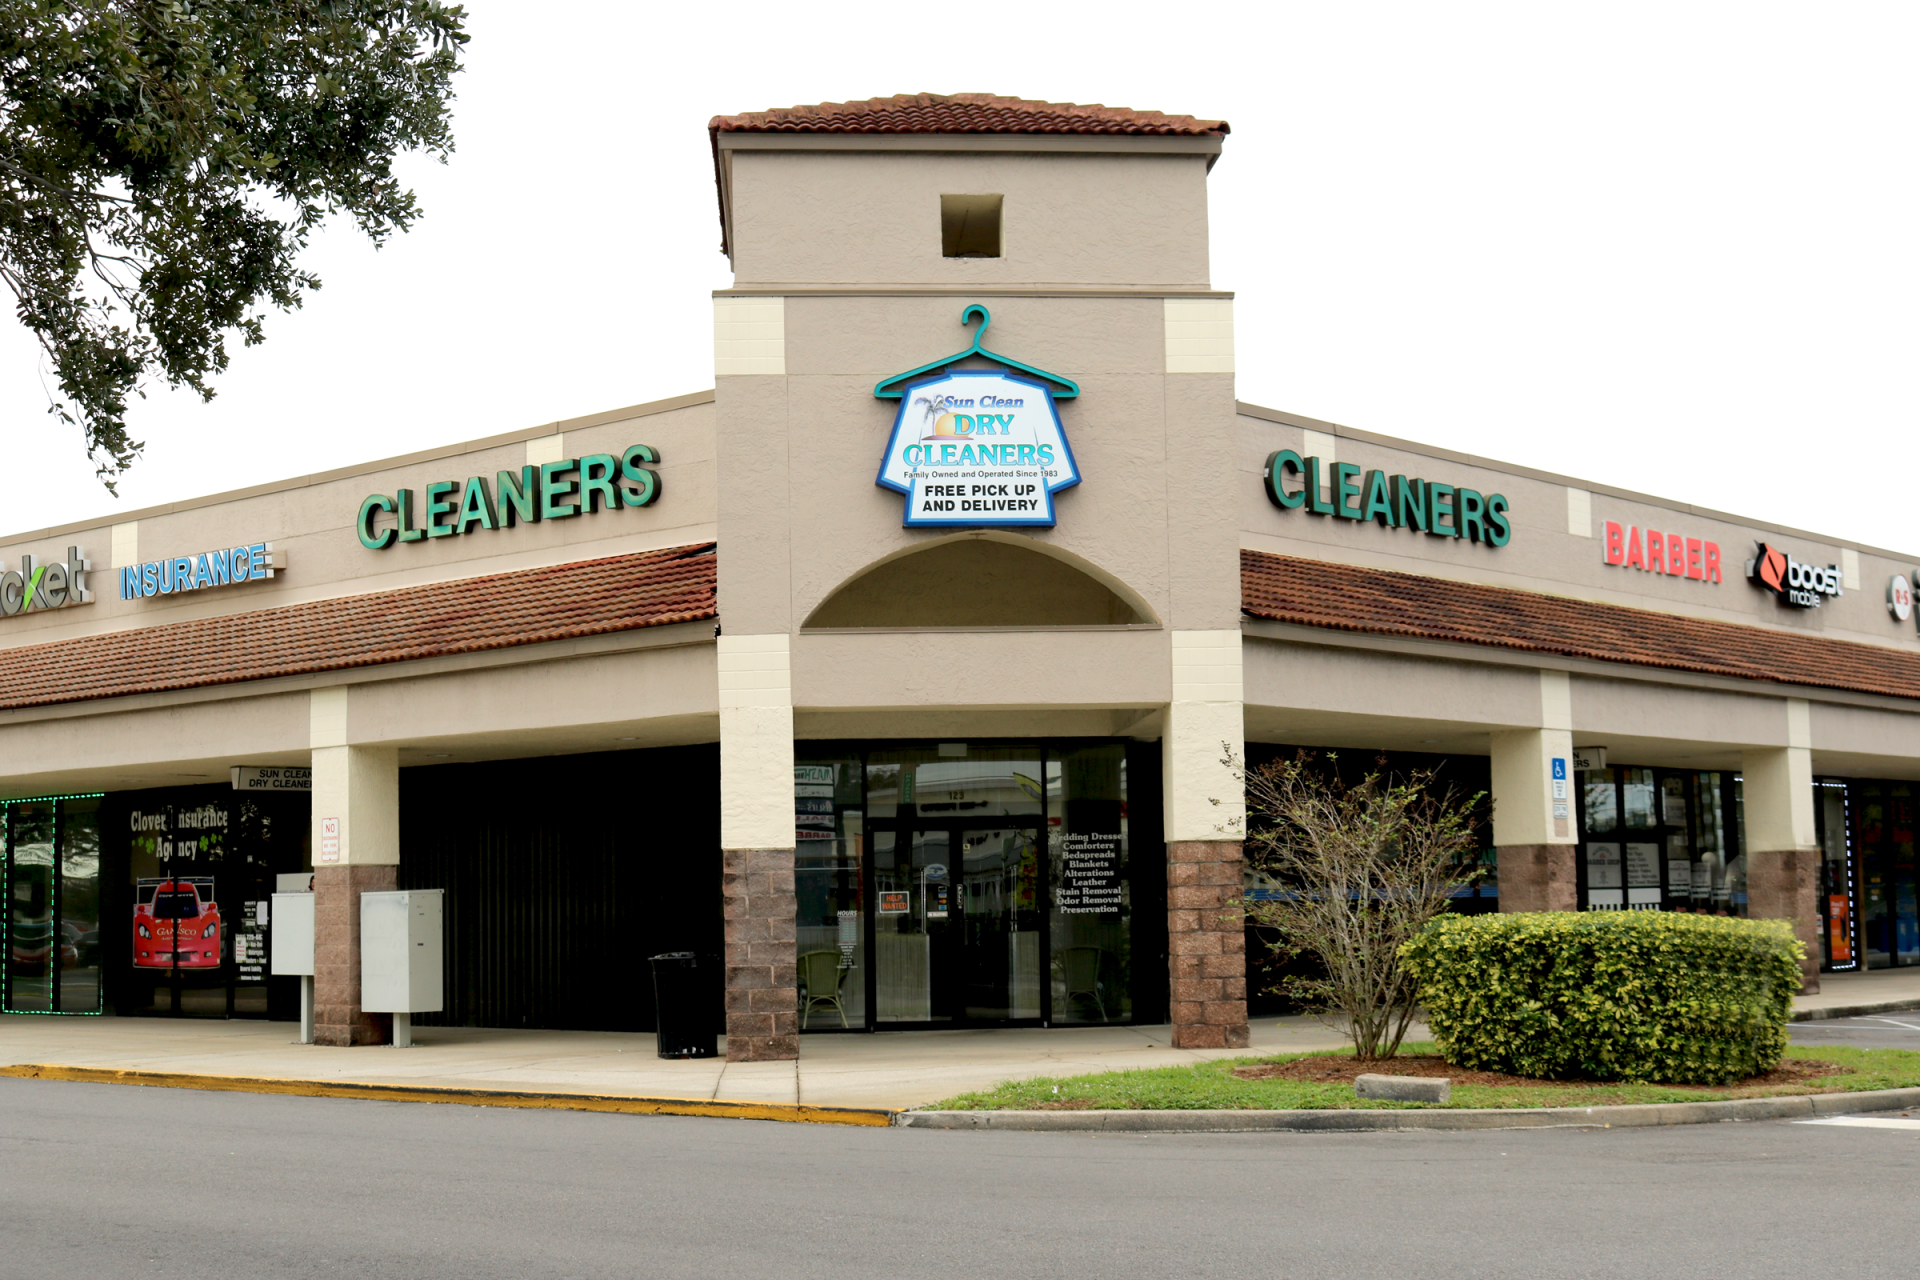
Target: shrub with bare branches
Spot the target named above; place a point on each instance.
(1348, 872)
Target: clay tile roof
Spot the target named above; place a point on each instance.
(963, 113)
(1350, 598)
(467, 615)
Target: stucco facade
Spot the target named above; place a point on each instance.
(833, 623)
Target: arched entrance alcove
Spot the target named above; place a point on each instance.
(981, 580)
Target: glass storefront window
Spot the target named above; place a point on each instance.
(1711, 888)
(1091, 912)
(829, 841)
(1636, 789)
(33, 952)
(1900, 864)
(954, 780)
(1598, 803)
(80, 904)
(1836, 875)
(52, 886)
(1735, 849)
(1657, 839)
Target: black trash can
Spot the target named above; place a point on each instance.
(683, 1022)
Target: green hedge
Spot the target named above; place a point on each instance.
(1608, 995)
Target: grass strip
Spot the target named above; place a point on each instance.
(1212, 1086)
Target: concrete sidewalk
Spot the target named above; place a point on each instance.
(1877, 990)
(897, 1069)
(890, 1069)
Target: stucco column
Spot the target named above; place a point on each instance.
(1205, 819)
(756, 839)
(356, 848)
(1534, 824)
(1781, 847)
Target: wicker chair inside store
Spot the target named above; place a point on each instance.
(1080, 969)
(821, 978)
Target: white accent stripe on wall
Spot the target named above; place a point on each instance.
(749, 336)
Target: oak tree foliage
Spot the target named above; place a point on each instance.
(163, 163)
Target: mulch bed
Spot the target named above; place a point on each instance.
(1342, 1070)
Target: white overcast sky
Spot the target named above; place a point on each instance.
(1670, 247)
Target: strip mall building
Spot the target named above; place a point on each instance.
(897, 668)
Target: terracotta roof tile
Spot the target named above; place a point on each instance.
(963, 113)
(467, 615)
(1350, 598)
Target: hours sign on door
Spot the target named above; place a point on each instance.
(978, 449)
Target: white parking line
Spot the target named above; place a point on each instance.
(1865, 1122)
(1896, 1022)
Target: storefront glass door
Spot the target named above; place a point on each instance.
(956, 934)
(52, 875)
(958, 884)
(1883, 815)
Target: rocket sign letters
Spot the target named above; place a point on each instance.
(978, 448)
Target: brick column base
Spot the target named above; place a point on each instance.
(337, 1016)
(1784, 886)
(1538, 877)
(1206, 944)
(763, 1000)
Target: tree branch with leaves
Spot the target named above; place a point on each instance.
(163, 163)
(1347, 873)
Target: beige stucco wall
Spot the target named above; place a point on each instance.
(813, 217)
(802, 514)
(544, 700)
(311, 520)
(841, 284)
(1546, 554)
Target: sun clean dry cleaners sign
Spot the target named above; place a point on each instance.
(1346, 492)
(978, 447)
(550, 491)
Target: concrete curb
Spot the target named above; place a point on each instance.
(792, 1113)
(1855, 1010)
(1625, 1117)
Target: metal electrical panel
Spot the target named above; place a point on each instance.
(400, 953)
(290, 930)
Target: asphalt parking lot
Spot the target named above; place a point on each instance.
(254, 1187)
(1872, 1031)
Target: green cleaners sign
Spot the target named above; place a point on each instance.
(1347, 492)
(550, 491)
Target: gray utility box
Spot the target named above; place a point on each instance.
(290, 929)
(400, 951)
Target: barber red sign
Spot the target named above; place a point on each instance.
(1653, 551)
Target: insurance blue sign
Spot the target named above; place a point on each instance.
(221, 567)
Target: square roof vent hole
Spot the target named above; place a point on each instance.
(970, 226)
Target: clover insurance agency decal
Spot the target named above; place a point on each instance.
(978, 448)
